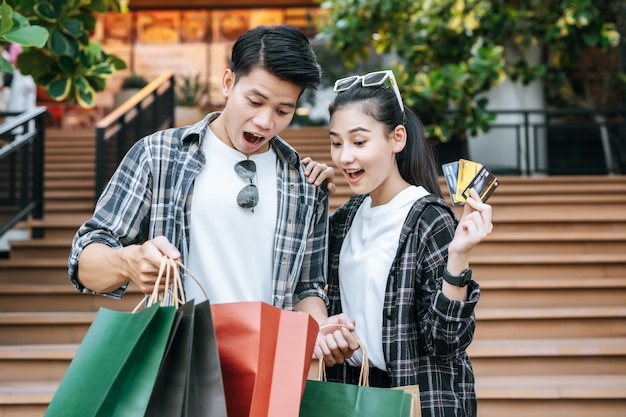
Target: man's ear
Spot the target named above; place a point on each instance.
(398, 137)
(228, 81)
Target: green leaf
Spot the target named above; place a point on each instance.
(103, 70)
(97, 83)
(81, 83)
(46, 12)
(73, 27)
(100, 6)
(117, 63)
(6, 17)
(59, 43)
(5, 65)
(67, 64)
(86, 97)
(59, 88)
(28, 36)
(34, 62)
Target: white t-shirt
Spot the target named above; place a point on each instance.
(231, 248)
(365, 260)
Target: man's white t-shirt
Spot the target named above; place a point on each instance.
(231, 248)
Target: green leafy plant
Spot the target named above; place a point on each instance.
(190, 90)
(15, 28)
(135, 81)
(67, 63)
(450, 52)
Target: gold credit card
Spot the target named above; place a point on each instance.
(467, 171)
(463, 175)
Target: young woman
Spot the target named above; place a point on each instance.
(399, 260)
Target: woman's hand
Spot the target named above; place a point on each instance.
(318, 172)
(336, 340)
(475, 225)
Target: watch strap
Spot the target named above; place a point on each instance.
(460, 280)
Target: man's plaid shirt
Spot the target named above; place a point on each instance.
(150, 195)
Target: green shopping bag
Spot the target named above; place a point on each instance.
(115, 367)
(334, 399)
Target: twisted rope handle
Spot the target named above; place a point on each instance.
(174, 293)
(364, 375)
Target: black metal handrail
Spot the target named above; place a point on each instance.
(151, 109)
(22, 140)
(545, 139)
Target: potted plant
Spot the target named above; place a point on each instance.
(449, 53)
(190, 92)
(130, 86)
(58, 54)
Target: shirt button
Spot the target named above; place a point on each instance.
(288, 221)
(284, 259)
(292, 186)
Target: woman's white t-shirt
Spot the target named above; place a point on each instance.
(365, 259)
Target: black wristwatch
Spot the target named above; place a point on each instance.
(460, 280)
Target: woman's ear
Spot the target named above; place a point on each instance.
(398, 137)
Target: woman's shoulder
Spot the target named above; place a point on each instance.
(431, 209)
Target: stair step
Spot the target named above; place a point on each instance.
(518, 323)
(492, 323)
(536, 297)
(25, 328)
(70, 166)
(70, 158)
(35, 363)
(555, 245)
(40, 248)
(27, 393)
(561, 265)
(72, 194)
(45, 297)
(67, 175)
(548, 356)
(552, 387)
(65, 184)
(74, 206)
(552, 393)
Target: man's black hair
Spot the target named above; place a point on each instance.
(282, 50)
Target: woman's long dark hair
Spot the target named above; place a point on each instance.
(416, 162)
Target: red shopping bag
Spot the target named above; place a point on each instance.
(265, 354)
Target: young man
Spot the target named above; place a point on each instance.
(227, 196)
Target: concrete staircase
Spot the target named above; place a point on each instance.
(551, 333)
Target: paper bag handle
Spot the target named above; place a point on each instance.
(364, 375)
(169, 270)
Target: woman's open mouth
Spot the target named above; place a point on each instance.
(353, 175)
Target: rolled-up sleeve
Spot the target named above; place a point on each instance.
(121, 214)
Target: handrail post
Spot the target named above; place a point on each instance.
(38, 174)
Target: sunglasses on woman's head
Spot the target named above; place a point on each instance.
(370, 80)
(248, 197)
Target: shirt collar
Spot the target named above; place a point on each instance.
(284, 151)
